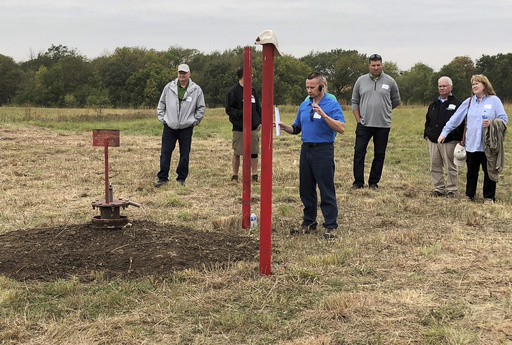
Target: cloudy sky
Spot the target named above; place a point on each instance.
(403, 31)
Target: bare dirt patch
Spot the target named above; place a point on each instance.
(144, 249)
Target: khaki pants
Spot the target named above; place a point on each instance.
(441, 155)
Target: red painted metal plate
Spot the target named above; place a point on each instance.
(99, 136)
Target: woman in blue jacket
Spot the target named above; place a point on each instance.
(480, 109)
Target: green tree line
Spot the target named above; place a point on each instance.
(134, 77)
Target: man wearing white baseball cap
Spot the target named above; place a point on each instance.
(180, 109)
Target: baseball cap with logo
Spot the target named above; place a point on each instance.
(183, 68)
(459, 155)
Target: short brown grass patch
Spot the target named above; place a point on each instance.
(405, 269)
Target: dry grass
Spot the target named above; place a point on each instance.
(406, 268)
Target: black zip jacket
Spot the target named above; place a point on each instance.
(438, 114)
(235, 108)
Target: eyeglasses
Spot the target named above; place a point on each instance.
(374, 57)
(311, 114)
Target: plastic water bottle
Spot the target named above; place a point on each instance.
(254, 221)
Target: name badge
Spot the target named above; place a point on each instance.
(385, 86)
(488, 106)
(316, 116)
(253, 100)
(451, 107)
(189, 99)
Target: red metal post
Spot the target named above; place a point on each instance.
(246, 169)
(267, 104)
(107, 198)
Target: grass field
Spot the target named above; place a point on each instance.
(405, 269)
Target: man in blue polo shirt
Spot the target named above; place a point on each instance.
(319, 119)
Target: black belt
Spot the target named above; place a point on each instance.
(315, 144)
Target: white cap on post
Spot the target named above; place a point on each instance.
(266, 37)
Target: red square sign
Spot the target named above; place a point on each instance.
(99, 136)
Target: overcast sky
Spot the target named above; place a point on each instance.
(403, 31)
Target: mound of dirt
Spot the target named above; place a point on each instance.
(144, 249)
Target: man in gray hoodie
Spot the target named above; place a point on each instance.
(181, 107)
(374, 96)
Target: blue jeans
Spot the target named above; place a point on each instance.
(380, 143)
(169, 138)
(317, 168)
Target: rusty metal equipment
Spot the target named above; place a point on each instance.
(110, 216)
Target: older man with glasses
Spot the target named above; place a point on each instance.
(319, 119)
(374, 96)
(441, 155)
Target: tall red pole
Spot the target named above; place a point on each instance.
(107, 198)
(247, 109)
(267, 104)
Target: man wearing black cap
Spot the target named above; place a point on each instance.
(181, 107)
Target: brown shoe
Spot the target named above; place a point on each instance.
(329, 234)
(356, 187)
(254, 178)
(160, 183)
(234, 178)
(304, 229)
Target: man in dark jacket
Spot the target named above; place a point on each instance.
(234, 109)
(441, 155)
